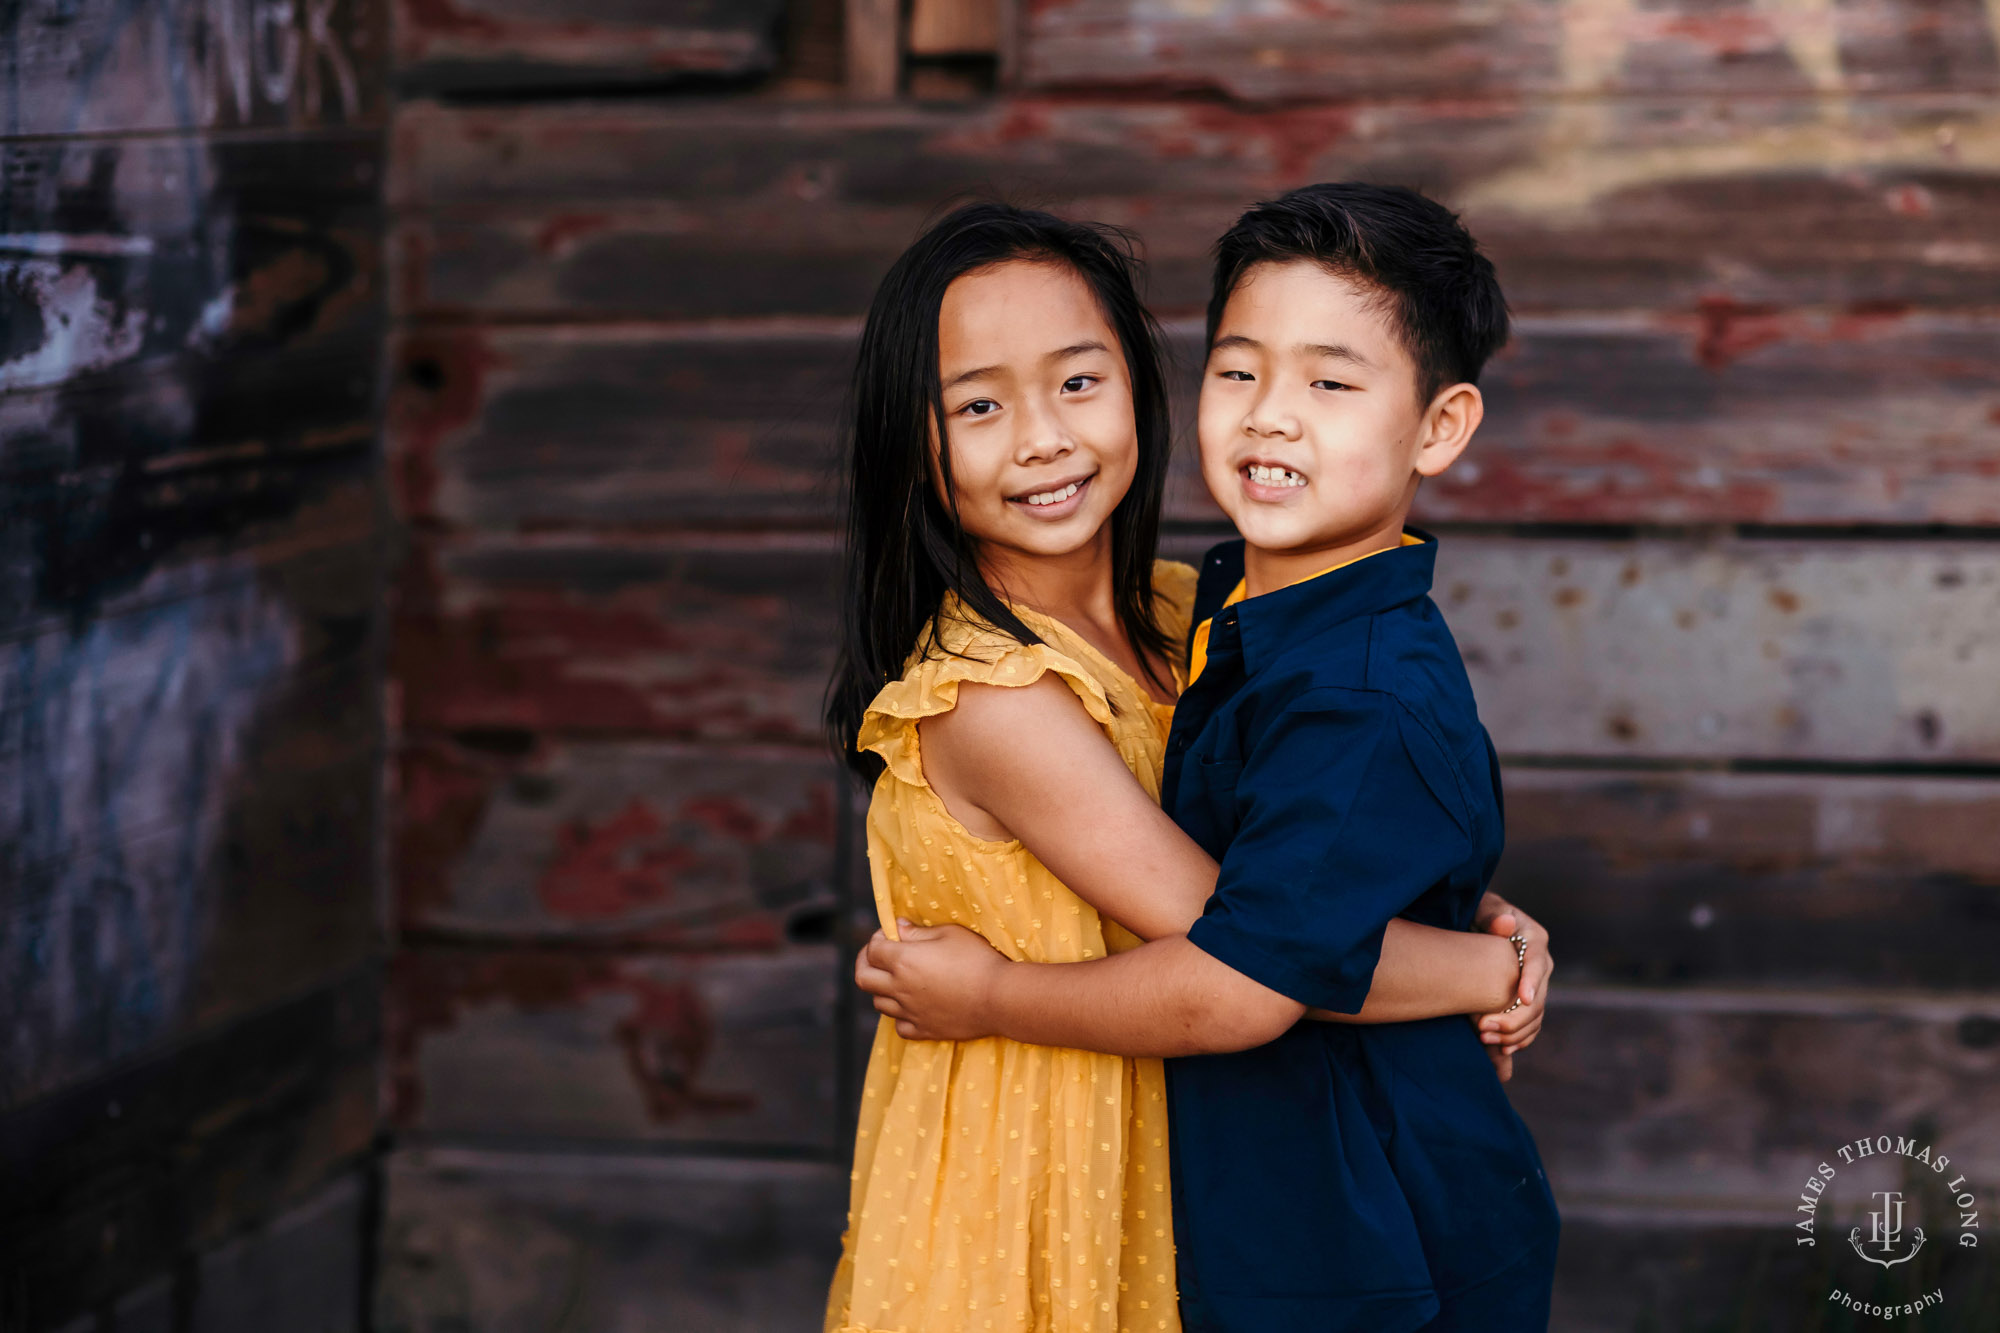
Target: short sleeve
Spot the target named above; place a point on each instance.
(1340, 830)
(930, 686)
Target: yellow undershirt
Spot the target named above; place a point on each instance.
(1198, 646)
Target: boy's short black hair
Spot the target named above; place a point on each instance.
(1440, 291)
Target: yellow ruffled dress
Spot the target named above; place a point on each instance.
(1000, 1186)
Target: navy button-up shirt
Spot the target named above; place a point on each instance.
(1343, 1177)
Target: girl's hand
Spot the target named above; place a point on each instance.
(934, 981)
(1507, 1033)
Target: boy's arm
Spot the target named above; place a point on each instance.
(1341, 832)
(1004, 749)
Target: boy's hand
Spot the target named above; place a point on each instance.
(934, 981)
(1506, 1033)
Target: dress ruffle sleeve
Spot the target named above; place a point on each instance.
(930, 686)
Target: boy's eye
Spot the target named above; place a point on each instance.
(1328, 384)
(1078, 383)
(980, 407)
(1240, 376)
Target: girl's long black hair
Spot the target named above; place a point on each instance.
(905, 547)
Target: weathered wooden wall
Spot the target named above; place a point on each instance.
(1723, 562)
(192, 541)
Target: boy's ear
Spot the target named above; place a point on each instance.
(1448, 426)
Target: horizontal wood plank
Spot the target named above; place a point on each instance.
(1645, 648)
(1767, 880)
(623, 427)
(1722, 416)
(1668, 1272)
(1791, 649)
(633, 639)
(745, 209)
(113, 1181)
(562, 1045)
(1740, 879)
(1301, 50)
(102, 67)
(519, 1241)
(508, 45)
(508, 835)
(1721, 1103)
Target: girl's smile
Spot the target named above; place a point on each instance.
(1054, 500)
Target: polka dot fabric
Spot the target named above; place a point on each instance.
(1000, 1186)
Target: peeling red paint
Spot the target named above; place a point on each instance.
(440, 806)
(1733, 32)
(424, 20)
(1730, 329)
(666, 1041)
(666, 1037)
(1909, 201)
(604, 870)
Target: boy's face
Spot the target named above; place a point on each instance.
(1312, 434)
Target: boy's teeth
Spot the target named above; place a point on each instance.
(1055, 497)
(1275, 476)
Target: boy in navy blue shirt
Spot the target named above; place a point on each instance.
(1327, 753)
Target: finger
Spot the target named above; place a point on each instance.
(1503, 924)
(874, 980)
(908, 1030)
(1507, 1024)
(1526, 1040)
(890, 1005)
(1503, 1065)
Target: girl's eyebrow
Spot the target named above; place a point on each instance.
(1060, 354)
(967, 376)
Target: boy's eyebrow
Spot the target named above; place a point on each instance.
(1338, 352)
(1235, 340)
(1075, 349)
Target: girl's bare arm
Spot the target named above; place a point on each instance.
(1028, 762)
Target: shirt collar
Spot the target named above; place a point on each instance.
(1301, 611)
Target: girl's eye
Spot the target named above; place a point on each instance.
(1328, 384)
(980, 407)
(1240, 376)
(1078, 383)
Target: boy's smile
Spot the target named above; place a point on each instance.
(1313, 436)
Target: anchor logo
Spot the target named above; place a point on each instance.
(1885, 1231)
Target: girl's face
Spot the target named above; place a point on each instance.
(1038, 409)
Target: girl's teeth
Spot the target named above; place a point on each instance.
(1275, 476)
(1055, 497)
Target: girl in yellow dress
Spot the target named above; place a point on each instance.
(1004, 611)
